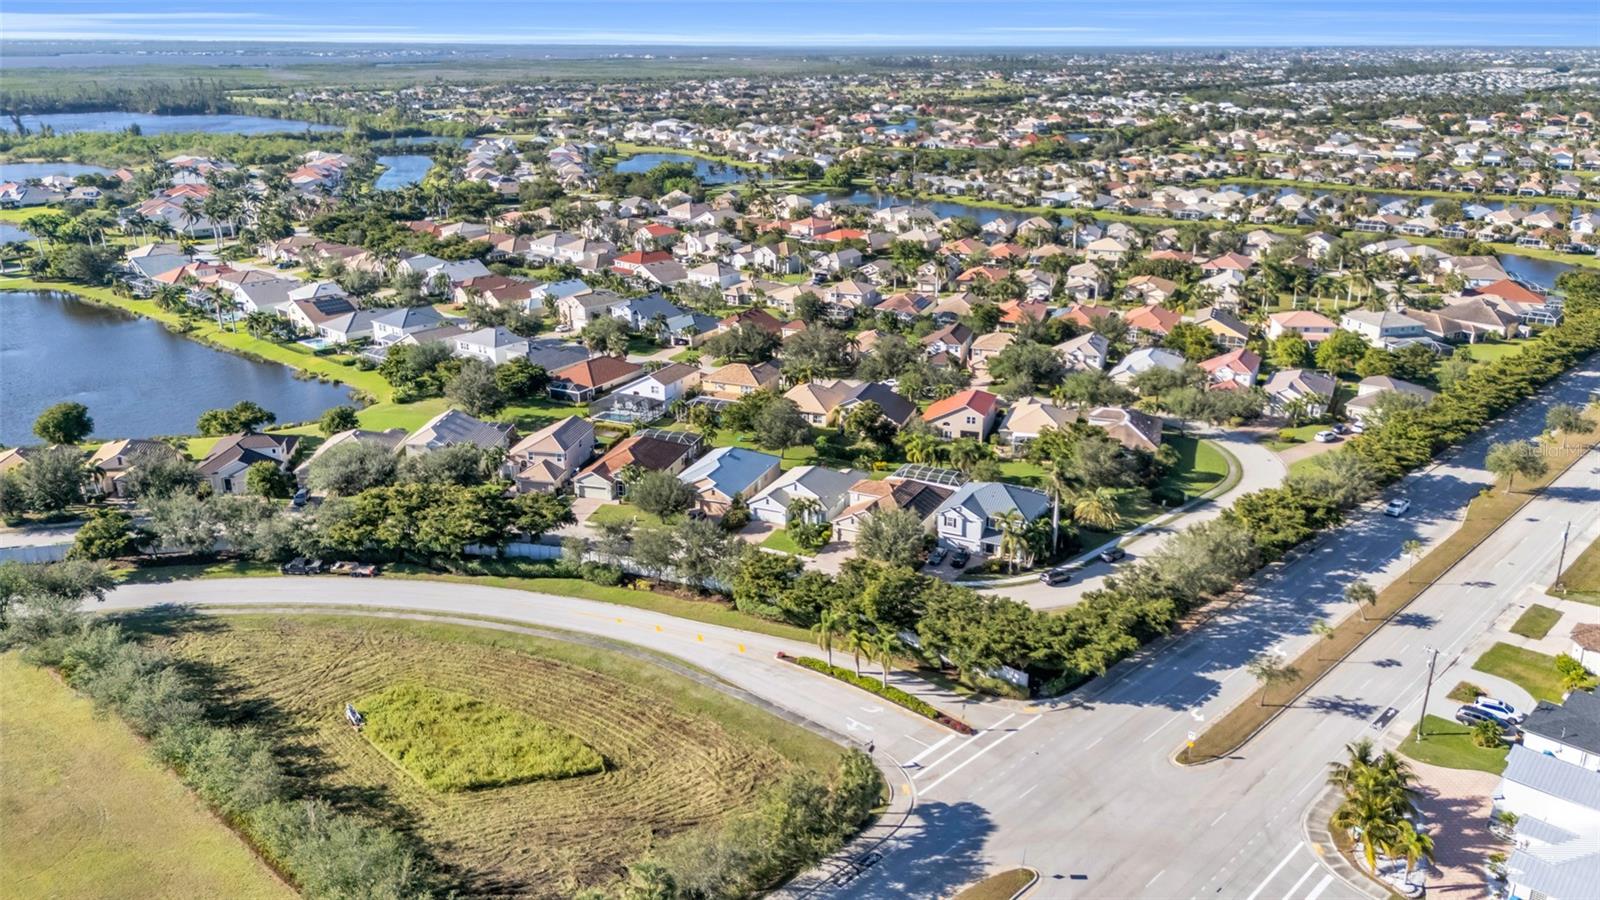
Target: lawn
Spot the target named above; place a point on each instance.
(999, 886)
(1492, 350)
(1581, 580)
(1300, 434)
(1465, 692)
(453, 742)
(1534, 672)
(89, 815)
(1536, 622)
(1449, 744)
(612, 513)
(781, 541)
(679, 756)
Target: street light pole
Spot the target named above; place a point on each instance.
(1433, 657)
(1561, 564)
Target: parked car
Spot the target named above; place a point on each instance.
(1341, 428)
(1472, 715)
(301, 566)
(1326, 436)
(1397, 507)
(936, 556)
(300, 498)
(1501, 709)
(960, 558)
(1112, 554)
(1058, 575)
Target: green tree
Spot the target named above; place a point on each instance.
(1291, 351)
(1340, 352)
(1566, 420)
(1270, 670)
(521, 380)
(895, 537)
(1362, 595)
(53, 480)
(780, 426)
(660, 493)
(337, 419)
(266, 479)
(536, 515)
(760, 578)
(606, 334)
(245, 415)
(1508, 459)
(64, 423)
(109, 534)
(475, 389)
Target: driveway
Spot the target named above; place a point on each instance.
(1260, 468)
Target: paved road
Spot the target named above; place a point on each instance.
(1083, 789)
(1261, 469)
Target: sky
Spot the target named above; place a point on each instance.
(821, 23)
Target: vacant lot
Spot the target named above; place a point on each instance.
(85, 813)
(1534, 672)
(1536, 622)
(678, 756)
(1581, 580)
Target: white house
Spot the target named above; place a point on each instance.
(828, 488)
(1382, 328)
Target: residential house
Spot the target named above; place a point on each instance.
(648, 451)
(824, 403)
(1144, 359)
(231, 457)
(1469, 320)
(1223, 325)
(726, 473)
(1557, 807)
(986, 347)
(1236, 369)
(1152, 323)
(1149, 289)
(1383, 327)
(971, 518)
(112, 463)
(664, 385)
(1568, 731)
(583, 381)
(453, 427)
(1129, 427)
(494, 345)
(1365, 402)
(869, 497)
(546, 460)
(735, 380)
(1030, 416)
(952, 341)
(1314, 327)
(388, 440)
(828, 488)
(968, 414)
(390, 325)
(1301, 391)
(1087, 352)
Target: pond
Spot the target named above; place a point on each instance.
(137, 378)
(1540, 272)
(708, 171)
(153, 123)
(400, 171)
(32, 171)
(11, 234)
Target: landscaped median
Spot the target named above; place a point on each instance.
(888, 692)
(1485, 514)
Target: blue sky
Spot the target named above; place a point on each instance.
(820, 23)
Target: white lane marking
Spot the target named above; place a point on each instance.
(962, 746)
(974, 757)
(1096, 741)
(1296, 886)
(1153, 880)
(1321, 886)
(1027, 792)
(1275, 870)
(1218, 819)
(942, 741)
(1162, 727)
(915, 741)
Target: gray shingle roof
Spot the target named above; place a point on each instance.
(1576, 722)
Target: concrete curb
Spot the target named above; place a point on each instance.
(1320, 839)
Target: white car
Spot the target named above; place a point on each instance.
(1326, 437)
(1397, 507)
(1501, 709)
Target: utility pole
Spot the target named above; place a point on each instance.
(1561, 563)
(1433, 657)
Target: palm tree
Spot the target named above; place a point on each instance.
(885, 645)
(1413, 845)
(1362, 595)
(859, 641)
(1343, 775)
(826, 629)
(1323, 630)
(1096, 508)
(920, 447)
(801, 509)
(1012, 544)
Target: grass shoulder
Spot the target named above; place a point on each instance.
(1449, 744)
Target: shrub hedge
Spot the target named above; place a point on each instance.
(890, 693)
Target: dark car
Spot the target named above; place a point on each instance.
(300, 498)
(959, 559)
(1472, 715)
(301, 566)
(1112, 554)
(1058, 575)
(936, 556)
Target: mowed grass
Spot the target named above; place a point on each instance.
(999, 886)
(1449, 744)
(680, 756)
(86, 813)
(1536, 622)
(1530, 670)
(452, 742)
(1581, 580)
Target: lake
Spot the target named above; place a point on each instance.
(16, 171)
(1540, 272)
(10, 234)
(152, 123)
(708, 171)
(137, 378)
(400, 171)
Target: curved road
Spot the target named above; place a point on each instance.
(1083, 789)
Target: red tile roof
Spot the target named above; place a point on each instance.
(981, 402)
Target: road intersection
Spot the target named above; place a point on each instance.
(1083, 789)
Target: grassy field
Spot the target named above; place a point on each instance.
(1536, 622)
(1534, 672)
(1581, 580)
(453, 742)
(1449, 744)
(999, 886)
(89, 815)
(780, 540)
(679, 756)
(1485, 514)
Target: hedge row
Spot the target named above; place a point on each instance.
(890, 692)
